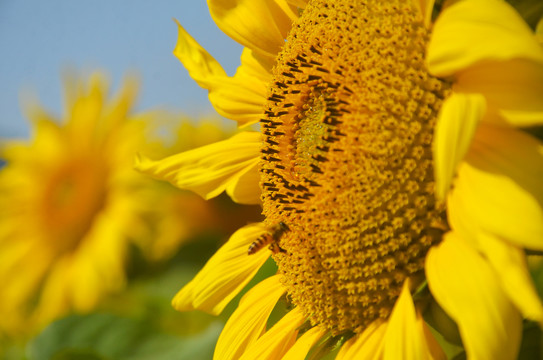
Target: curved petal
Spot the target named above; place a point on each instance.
(277, 340)
(202, 67)
(468, 289)
(242, 97)
(118, 110)
(256, 66)
(539, 31)
(260, 25)
(498, 189)
(435, 351)
(86, 113)
(368, 345)
(513, 89)
(224, 275)
(455, 128)
(404, 336)
(509, 262)
(425, 8)
(245, 188)
(50, 142)
(248, 322)
(299, 3)
(468, 32)
(301, 347)
(230, 165)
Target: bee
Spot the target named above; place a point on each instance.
(271, 237)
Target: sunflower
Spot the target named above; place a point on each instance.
(72, 206)
(390, 156)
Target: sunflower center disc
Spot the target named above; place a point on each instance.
(75, 193)
(347, 160)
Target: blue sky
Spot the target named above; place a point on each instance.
(38, 39)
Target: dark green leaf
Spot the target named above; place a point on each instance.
(108, 337)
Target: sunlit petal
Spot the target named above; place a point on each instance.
(240, 97)
(425, 8)
(509, 262)
(404, 337)
(455, 128)
(469, 290)
(300, 3)
(278, 340)
(229, 165)
(475, 31)
(202, 67)
(368, 345)
(502, 176)
(260, 25)
(513, 89)
(249, 320)
(301, 347)
(224, 275)
(435, 351)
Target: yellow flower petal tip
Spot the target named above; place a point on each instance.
(224, 275)
(229, 165)
(202, 67)
(455, 129)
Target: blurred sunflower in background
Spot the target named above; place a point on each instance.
(73, 209)
(392, 170)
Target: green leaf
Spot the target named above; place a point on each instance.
(108, 337)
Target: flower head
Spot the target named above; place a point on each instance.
(72, 205)
(388, 154)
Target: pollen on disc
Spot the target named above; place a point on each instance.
(347, 161)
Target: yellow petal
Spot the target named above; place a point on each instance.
(202, 67)
(14, 259)
(277, 340)
(539, 31)
(248, 322)
(469, 290)
(79, 281)
(260, 25)
(513, 89)
(368, 345)
(244, 189)
(256, 66)
(425, 8)
(224, 275)
(55, 295)
(98, 265)
(509, 262)
(300, 349)
(456, 125)
(300, 3)
(404, 336)
(498, 189)
(85, 128)
(50, 141)
(239, 97)
(435, 351)
(242, 96)
(472, 31)
(117, 111)
(230, 165)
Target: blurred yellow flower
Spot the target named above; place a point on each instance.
(181, 213)
(388, 153)
(71, 204)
